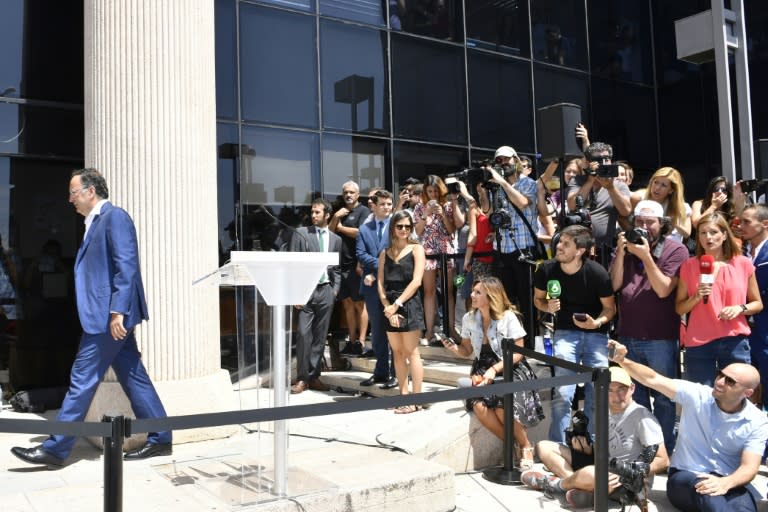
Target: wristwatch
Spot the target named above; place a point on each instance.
(744, 309)
(399, 304)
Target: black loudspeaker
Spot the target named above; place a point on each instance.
(557, 126)
(761, 159)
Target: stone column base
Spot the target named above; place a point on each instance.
(212, 393)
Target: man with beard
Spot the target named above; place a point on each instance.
(644, 271)
(582, 312)
(346, 223)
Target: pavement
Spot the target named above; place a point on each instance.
(364, 461)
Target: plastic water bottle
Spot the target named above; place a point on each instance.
(547, 343)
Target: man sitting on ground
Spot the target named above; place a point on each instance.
(634, 437)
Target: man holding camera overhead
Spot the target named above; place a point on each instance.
(644, 271)
(517, 240)
(606, 197)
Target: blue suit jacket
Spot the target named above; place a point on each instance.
(368, 248)
(107, 275)
(760, 327)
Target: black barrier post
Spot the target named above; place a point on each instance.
(113, 464)
(447, 330)
(507, 474)
(602, 382)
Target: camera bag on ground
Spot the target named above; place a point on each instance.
(38, 400)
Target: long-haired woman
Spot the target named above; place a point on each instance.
(401, 268)
(435, 226)
(493, 318)
(666, 188)
(717, 307)
(721, 197)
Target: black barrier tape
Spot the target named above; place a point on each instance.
(91, 429)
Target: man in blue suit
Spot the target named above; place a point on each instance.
(372, 238)
(754, 229)
(110, 303)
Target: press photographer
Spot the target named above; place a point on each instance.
(604, 196)
(514, 214)
(635, 443)
(644, 271)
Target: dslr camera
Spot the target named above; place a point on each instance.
(636, 235)
(578, 427)
(580, 216)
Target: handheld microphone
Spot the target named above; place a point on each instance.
(553, 289)
(707, 269)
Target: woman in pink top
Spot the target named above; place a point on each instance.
(717, 333)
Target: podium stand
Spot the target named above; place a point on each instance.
(284, 279)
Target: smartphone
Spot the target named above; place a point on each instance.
(581, 317)
(611, 351)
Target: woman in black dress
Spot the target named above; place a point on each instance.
(401, 268)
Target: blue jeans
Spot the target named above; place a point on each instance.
(758, 342)
(702, 362)
(662, 356)
(589, 349)
(681, 493)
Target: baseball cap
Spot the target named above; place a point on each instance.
(649, 208)
(620, 375)
(506, 152)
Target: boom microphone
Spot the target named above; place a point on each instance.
(707, 269)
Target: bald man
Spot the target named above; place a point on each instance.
(721, 438)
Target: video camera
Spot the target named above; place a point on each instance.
(749, 186)
(580, 216)
(479, 173)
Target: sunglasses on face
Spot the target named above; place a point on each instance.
(403, 227)
(728, 380)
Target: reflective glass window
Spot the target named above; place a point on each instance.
(428, 90)
(41, 50)
(624, 116)
(366, 11)
(500, 102)
(227, 191)
(553, 85)
(354, 78)
(226, 59)
(558, 32)
(359, 159)
(279, 171)
(620, 40)
(498, 25)
(441, 19)
(278, 68)
(420, 160)
(41, 131)
(301, 5)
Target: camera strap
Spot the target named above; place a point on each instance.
(536, 242)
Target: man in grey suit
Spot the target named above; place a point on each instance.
(315, 315)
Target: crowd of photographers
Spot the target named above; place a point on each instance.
(585, 259)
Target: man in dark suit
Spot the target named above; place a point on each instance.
(373, 238)
(315, 315)
(110, 303)
(754, 229)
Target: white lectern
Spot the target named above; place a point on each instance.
(284, 279)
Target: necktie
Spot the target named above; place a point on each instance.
(381, 229)
(321, 241)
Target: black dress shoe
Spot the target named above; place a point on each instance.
(370, 381)
(149, 450)
(389, 384)
(368, 354)
(37, 455)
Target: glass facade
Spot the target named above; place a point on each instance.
(375, 91)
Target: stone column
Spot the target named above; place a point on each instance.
(150, 127)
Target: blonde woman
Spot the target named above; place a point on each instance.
(492, 319)
(666, 188)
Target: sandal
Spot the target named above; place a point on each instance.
(526, 460)
(407, 409)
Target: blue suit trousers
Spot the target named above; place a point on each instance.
(96, 353)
